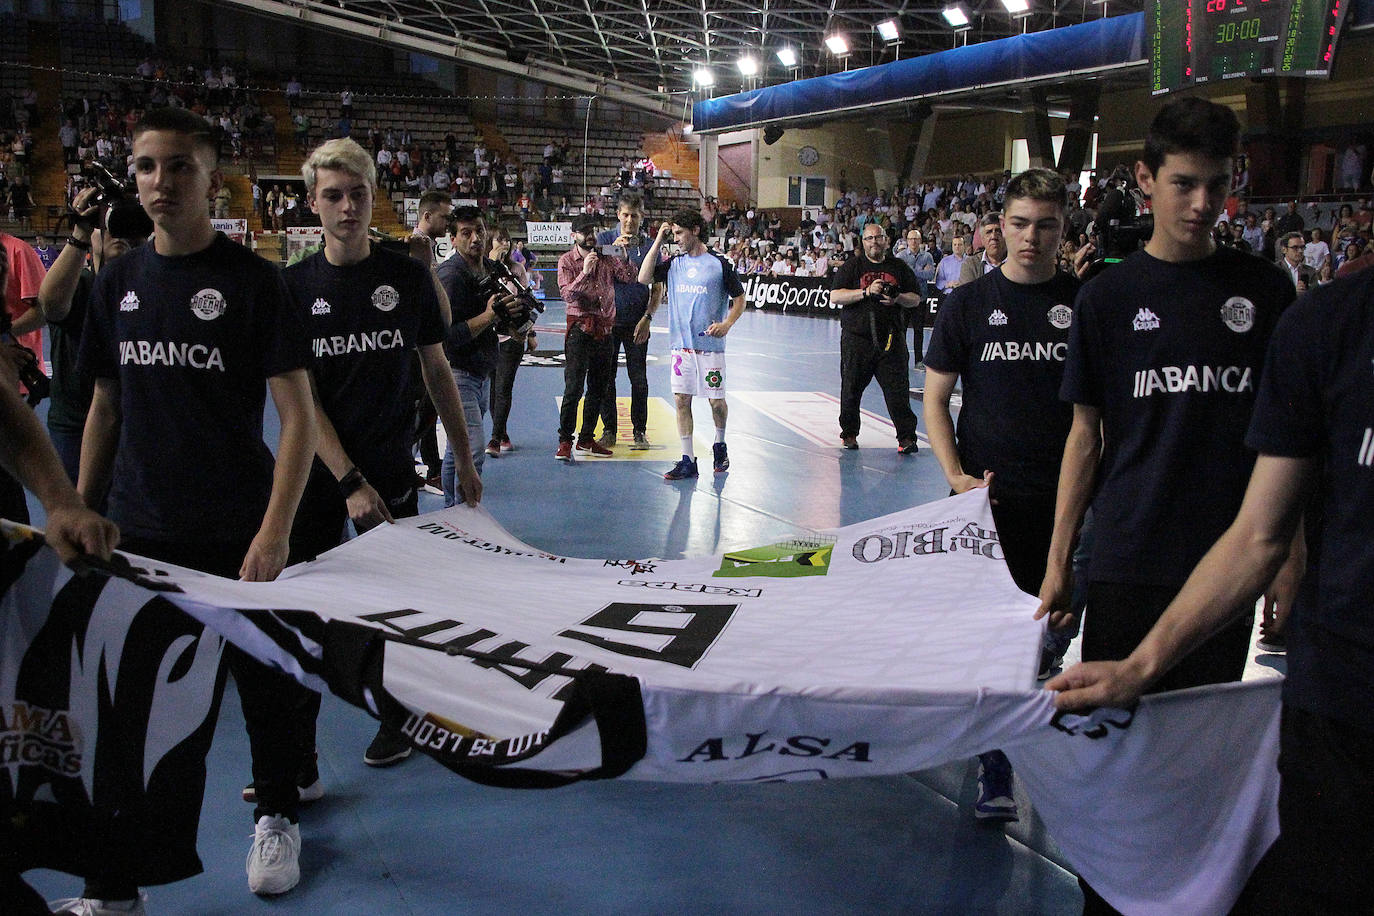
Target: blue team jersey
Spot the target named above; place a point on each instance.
(699, 290)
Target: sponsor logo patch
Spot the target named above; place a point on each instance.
(320, 307)
(385, 298)
(130, 302)
(997, 318)
(208, 304)
(1239, 314)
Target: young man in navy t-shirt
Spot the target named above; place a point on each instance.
(180, 336)
(1165, 357)
(1313, 427)
(1005, 334)
(367, 310)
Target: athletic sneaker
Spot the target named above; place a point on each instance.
(607, 440)
(494, 449)
(564, 452)
(274, 862)
(849, 442)
(505, 444)
(595, 448)
(309, 787)
(387, 748)
(720, 459)
(1052, 653)
(89, 906)
(640, 443)
(685, 468)
(908, 446)
(996, 801)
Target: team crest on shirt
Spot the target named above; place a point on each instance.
(1239, 314)
(1145, 320)
(130, 302)
(998, 317)
(691, 273)
(208, 304)
(1061, 316)
(320, 307)
(386, 298)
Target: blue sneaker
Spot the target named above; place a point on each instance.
(720, 460)
(684, 469)
(996, 799)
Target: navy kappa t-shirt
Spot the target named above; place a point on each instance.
(1317, 401)
(191, 341)
(1171, 354)
(1008, 341)
(363, 321)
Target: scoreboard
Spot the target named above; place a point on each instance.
(1201, 41)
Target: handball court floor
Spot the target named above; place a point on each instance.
(415, 838)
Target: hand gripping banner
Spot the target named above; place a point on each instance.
(893, 645)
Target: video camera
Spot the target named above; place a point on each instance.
(499, 280)
(120, 214)
(33, 378)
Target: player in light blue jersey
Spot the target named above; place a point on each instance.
(705, 298)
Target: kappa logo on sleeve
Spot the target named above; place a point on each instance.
(208, 304)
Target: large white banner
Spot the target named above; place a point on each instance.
(884, 647)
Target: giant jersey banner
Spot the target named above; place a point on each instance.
(893, 645)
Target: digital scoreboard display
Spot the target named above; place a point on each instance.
(1201, 41)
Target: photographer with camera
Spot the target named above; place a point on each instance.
(586, 281)
(873, 291)
(481, 303)
(105, 225)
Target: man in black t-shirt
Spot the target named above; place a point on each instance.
(180, 337)
(872, 290)
(1313, 427)
(63, 298)
(367, 311)
(1006, 334)
(1164, 359)
(471, 344)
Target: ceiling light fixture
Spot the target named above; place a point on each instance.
(837, 45)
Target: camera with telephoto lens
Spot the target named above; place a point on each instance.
(33, 378)
(499, 280)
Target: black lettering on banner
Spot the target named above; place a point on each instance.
(713, 749)
(526, 677)
(695, 629)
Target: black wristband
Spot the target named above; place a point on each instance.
(84, 246)
(351, 482)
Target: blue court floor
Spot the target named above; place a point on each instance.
(417, 839)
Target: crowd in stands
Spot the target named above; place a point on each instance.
(950, 213)
(97, 125)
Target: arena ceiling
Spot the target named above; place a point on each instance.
(650, 48)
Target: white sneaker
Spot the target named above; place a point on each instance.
(274, 865)
(89, 906)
